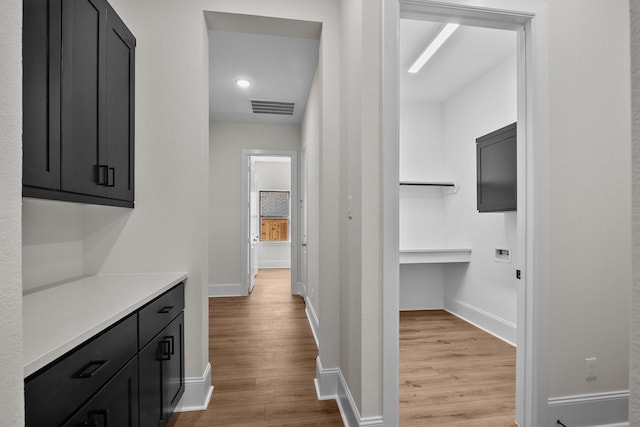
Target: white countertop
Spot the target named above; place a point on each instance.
(57, 319)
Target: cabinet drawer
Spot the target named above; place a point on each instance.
(55, 392)
(116, 405)
(158, 313)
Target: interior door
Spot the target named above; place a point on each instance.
(303, 219)
(254, 224)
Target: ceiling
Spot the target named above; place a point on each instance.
(469, 53)
(279, 57)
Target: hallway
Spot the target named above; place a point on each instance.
(263, 362)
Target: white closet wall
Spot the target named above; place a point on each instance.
(483, 291)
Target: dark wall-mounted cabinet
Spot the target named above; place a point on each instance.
(78, 107)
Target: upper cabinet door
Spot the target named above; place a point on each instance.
(84, 155)
(79, 74)
(41, 93)
(120, 80)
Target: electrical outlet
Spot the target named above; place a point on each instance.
(590, 369)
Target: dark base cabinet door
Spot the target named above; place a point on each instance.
(162, 375)
(116, 405)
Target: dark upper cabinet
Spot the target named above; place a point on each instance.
(79, 103)
(41, 92)
(120, 117)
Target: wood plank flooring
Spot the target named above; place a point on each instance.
(263, 360)
(453, 374)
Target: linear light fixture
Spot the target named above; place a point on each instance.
(432, 47)
(243, 83)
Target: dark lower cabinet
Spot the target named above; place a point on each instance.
(162, 374)
(129, 375)
(115, 406)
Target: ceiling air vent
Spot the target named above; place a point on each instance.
(272, 107)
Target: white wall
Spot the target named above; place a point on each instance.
(589, 195)
(227, 142)
(52, 242)
(421, 209)
(11, 366)
(274, 176)
(360, 177)
(634, 380)
(484, 285)
(421, 142)
(422, 159)
(421, 287)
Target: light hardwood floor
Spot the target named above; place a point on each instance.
(263, 360)
(453, 374)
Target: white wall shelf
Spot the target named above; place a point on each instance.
(434, 256)
(429, 183)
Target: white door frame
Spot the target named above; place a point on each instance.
(529, 18)
(244, 209)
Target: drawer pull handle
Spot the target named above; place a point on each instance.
(165, 350)
(91, 368)
(166, 309)
(104, 413)
(102, 172)
(171, 347)
(111, 177)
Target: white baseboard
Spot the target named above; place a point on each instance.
(330, 384)
(313, 320)
(197, 392)
(231, 290)
(590, 410)
(277, 263)
(500, 328)
(302, 289)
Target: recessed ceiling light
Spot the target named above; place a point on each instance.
(433, 46)
(243, 82)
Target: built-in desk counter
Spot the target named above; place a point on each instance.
(434, 256)
(59, 318)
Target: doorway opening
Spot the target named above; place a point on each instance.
(528, 20)
(269, 240)
(269, 214)
(456, 262)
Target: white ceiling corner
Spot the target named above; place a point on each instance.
(278, 56)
